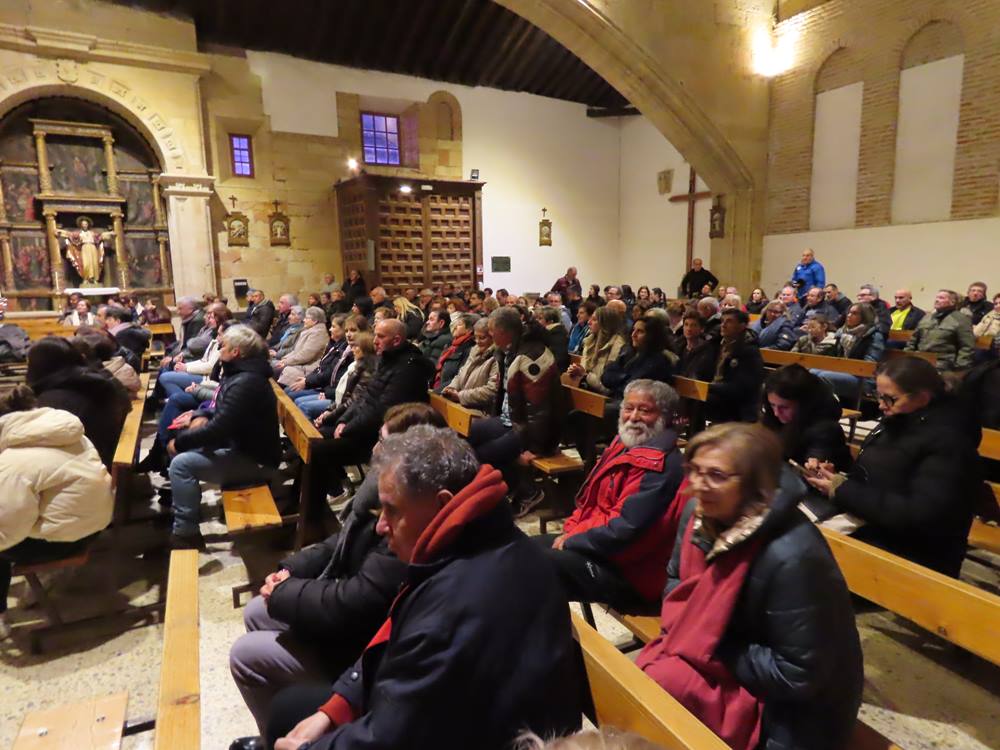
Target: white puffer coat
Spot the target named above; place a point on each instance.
(53, 485)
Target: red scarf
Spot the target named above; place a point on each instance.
(481, 496)
(693, 621)
(455, 343)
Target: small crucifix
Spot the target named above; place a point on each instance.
(691, 197)
(232, 198)
(277, 205)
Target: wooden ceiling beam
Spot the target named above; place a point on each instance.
(509, 52)
(545, 66)
(416, 27)
(448, 51)
(465, 58)
(321, 13)
(517, 74)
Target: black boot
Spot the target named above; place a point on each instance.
(155, 460)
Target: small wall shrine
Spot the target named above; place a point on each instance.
(80, 206)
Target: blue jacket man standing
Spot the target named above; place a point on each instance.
(807, 274)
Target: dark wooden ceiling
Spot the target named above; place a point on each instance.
(472, 42)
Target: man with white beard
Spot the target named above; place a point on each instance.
(615, 547)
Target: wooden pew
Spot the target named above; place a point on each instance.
(458, 417)
(38, 328)
(178, 713)
(624, 697)
(956, 611)
(646, 628)
(575, 359)
(982, 342)
(126, 453)
(695, 390)
(989, 446)
(100, 723)
(857, 367)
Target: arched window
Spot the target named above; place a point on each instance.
(930, 93)
(836, 143)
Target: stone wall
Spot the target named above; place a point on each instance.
(843, 41)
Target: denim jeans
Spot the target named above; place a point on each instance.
(845, 386)
(307, 393)
(176, 382)
(313, 407)
(175, 406)
(222, 466)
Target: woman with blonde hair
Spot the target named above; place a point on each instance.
(758, 638)
(604, 344)
(411, 315)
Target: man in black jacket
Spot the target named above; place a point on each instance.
(696, 279)
(233, 442)
(436, 336)
(734, 395)
(260, 313)
(402, 376)
(192, 321)
(838, 301)
(335, 593)
(128, 335)
(285, 304)
(454, 666)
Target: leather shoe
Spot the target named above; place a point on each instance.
(247, 743)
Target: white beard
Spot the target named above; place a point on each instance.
(637, 433)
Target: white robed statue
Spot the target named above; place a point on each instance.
(85, 250)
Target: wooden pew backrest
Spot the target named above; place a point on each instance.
(457, 416)
(178, 714)
(952, 609)
(624, 697)
(585, 401)
(857, 367)
(696, 390)
(989, 446)
(299, 429)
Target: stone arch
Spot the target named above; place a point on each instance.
(586, 31)
(838, 69)
(935, 40)
(46, 79)
(447, 115)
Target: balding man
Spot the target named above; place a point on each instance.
(380, 298)
(402, 375)
(904, 316)
(285, 304)
(946, 333)
(696, 279)
(808, 274)
(564, 284)
(260, 313)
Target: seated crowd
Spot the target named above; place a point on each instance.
(401, 628)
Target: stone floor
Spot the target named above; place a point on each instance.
(920, 692)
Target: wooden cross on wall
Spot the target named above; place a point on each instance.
(232, 199)
(691, 197)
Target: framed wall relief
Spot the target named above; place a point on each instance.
(544, 230)
(238, 229)
(717, 220)
(279, 227)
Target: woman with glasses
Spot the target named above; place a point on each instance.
(758, 637)
(917, 478)
(858, 338)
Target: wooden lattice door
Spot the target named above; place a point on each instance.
(418, 239)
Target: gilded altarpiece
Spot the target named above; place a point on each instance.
(77, 210)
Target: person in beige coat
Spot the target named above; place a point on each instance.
(308, 350)
(55, 493)
(603, 345)
(990, 324)
(475, 385)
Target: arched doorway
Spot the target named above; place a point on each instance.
(66, 162)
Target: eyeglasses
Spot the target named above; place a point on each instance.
(888, 399)
(714, 478)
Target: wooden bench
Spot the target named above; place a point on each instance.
(160, 330)
(100, 723)
(989, 446)
(954, 610)
(127, 451)
(458, 417)
(694, 390)
(625, 697)
(858, 367)
(982, 342)
(576, 359)
(39, 328)
(646, 628)
(178, 711)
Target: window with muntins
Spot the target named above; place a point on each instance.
(242, 155)
(380, 138)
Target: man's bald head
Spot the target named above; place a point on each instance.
(390, 333)
(618, 305)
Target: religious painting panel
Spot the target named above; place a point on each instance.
(17, 148)
(30, 253)
(77, 165)
(19, 187)
(31, 304)
(144, 261)
(127, 161)
(139, 197)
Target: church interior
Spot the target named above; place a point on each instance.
(165, 150)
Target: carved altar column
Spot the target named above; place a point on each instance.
(166, 277)
(8, 260)
(109, 157)
(189, 222)
(44, 176)
(120, 256)
(55, 256)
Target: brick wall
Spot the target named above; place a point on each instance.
(844, 41)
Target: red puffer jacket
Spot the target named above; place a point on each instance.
(628, 510)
